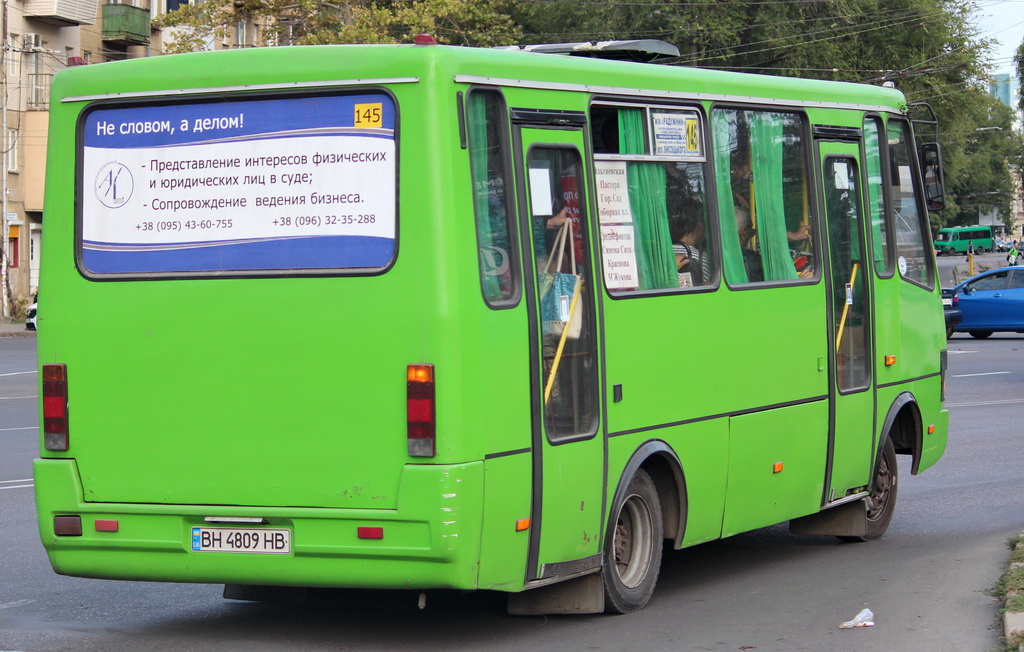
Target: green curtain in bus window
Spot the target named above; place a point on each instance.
(876, 210)
(766, 147)
(732, 252)
(488, 205)
(647, 200)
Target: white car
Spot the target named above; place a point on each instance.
(30, 316)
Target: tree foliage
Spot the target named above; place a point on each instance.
(316, 22)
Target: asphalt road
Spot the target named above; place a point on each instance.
(926, 580)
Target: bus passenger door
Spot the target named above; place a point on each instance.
(568, 451)
(851, 432)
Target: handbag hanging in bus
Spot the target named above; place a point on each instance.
(557, 288)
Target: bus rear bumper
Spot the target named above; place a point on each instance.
(431, 541)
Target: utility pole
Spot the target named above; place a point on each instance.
(3, 169)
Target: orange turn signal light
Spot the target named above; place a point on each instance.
(890, 360)
(777, 468)
(522, 525)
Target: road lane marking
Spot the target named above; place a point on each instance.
(18, 373)
(16, 603)
(978, 403)
(15, 398)
(11, 484)
(13, 429)
(990, 373)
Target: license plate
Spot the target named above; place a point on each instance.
(230, 539)
(947, 302)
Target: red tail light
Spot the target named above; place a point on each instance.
(55, 407)
(420, 415)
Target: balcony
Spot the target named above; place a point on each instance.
(62, 13)
(125, 24)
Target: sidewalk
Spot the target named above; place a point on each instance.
(1009, 589)
(15, 330)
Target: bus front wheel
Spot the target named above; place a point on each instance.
(632, 555)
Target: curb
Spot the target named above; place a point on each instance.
(1013, 621)
(22, 333)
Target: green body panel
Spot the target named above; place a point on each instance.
(506, 500)
(757, 494)
(285, 398)
(763, 355)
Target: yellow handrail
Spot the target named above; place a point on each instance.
(846, 307)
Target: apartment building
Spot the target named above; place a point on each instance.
(41, 38)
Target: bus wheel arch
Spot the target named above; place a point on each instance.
(903, 426)
(648, 507)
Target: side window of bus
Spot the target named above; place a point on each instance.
(650, 173)
(911, 237)
(489, 166)
(762, 175)
(880, 248)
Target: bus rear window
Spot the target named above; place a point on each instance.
(256, 186)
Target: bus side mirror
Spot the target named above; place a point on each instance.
(931, 167)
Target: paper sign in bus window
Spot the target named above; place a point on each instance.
(541, 199)
(612, 192)
(676, 134)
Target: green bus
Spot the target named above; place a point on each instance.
(955, 240)
(426, 317)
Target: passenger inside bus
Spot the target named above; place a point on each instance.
(693, 261)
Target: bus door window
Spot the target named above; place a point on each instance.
(649, 167)
(489, 165)
(761, 169)
(565, 293)
(880, 246)
(848, 274)
(911, 241)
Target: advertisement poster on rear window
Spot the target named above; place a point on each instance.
(261, 185)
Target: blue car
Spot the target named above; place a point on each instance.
(992, 301)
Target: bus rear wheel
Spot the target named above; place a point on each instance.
(881, 502)
(632, 555)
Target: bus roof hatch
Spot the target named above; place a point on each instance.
(645, 50)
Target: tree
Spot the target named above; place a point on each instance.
(309, 22)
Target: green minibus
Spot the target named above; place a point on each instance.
(956, 240)
(425, 317)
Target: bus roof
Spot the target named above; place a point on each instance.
(329, 65)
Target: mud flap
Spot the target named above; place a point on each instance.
(849, 520)
(582, 595)
(252, 593)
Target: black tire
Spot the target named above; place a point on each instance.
(881, 503)
(949, 332)
(980, 334)
(632, 556)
